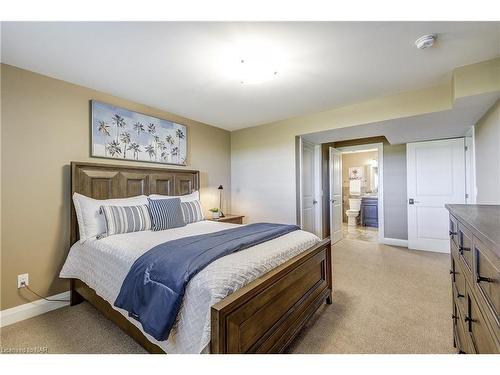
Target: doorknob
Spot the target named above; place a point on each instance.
(315, 201)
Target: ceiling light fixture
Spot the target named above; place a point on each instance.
(426, 41)
(251, 61)
(252, 71)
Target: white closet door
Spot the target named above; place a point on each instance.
(308, 201)
(435, 176)
(335, 195)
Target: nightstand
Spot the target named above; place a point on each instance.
(234, 219)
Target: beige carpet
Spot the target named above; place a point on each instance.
(386, 300)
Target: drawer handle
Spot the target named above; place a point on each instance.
(484, 279)
(460, 295)
(454, 317)
(469, 319)
(452, 272)
(452, 233)
(462, 249)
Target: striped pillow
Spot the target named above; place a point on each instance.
(166, 213)
(125, 219)
(192, 211)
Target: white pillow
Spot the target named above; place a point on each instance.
(91, 222)
(194, 196)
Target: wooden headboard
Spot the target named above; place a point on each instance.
(106, 181)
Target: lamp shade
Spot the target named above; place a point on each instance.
(220, 187)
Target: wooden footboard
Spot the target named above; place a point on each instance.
(265, 315)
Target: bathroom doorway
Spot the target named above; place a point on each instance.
(321, 163)
(362, 186)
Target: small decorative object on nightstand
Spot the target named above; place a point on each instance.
(215, 213)
(234, 219)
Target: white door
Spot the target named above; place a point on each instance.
(435, 176)
(335, 195)
(307, 188)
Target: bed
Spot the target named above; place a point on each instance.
(252, 301)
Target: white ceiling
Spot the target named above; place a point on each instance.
(182, 67)
(437, 125)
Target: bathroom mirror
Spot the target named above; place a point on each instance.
(371, 173)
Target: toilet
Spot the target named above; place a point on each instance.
(353, 211)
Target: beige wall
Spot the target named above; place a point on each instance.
(45, 125)
(263, 157)
(487, 155)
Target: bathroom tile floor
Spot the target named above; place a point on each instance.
(361, 233)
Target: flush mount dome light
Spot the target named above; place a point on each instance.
(255, 70)
(251, 61)
(426, 41)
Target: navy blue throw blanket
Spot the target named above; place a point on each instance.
(153, 289)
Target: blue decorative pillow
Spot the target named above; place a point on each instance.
(166, 213)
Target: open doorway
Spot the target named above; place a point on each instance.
(356, 207)
(360, 193)
(338, 184)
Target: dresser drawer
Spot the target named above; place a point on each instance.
(487, 281)
(465, 247)
(453, 230)
(482, 340)
(460, 334)
(234, 220)
(458, 282)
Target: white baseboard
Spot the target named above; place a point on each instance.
(395, 242)
(29, 310)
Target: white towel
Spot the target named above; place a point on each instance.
(355, 187)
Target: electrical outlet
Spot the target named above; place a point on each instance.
(23, 280)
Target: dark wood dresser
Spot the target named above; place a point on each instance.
(475, 277)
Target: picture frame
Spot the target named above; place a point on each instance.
(121, 134)
(355, 173)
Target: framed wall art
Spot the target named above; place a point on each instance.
(118, 133)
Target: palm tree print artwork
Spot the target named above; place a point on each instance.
(119, 123)
(104, 128)
(114, 148)
(139, 128)
(150, 149)
(125, 139)
(120, 133)
(135, 148)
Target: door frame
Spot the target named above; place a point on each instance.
(380, 149)
(470, 167)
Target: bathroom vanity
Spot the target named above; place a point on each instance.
(369, 212)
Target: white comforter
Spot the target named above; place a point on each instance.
(103, 264)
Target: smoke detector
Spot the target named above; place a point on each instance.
(426, 41)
